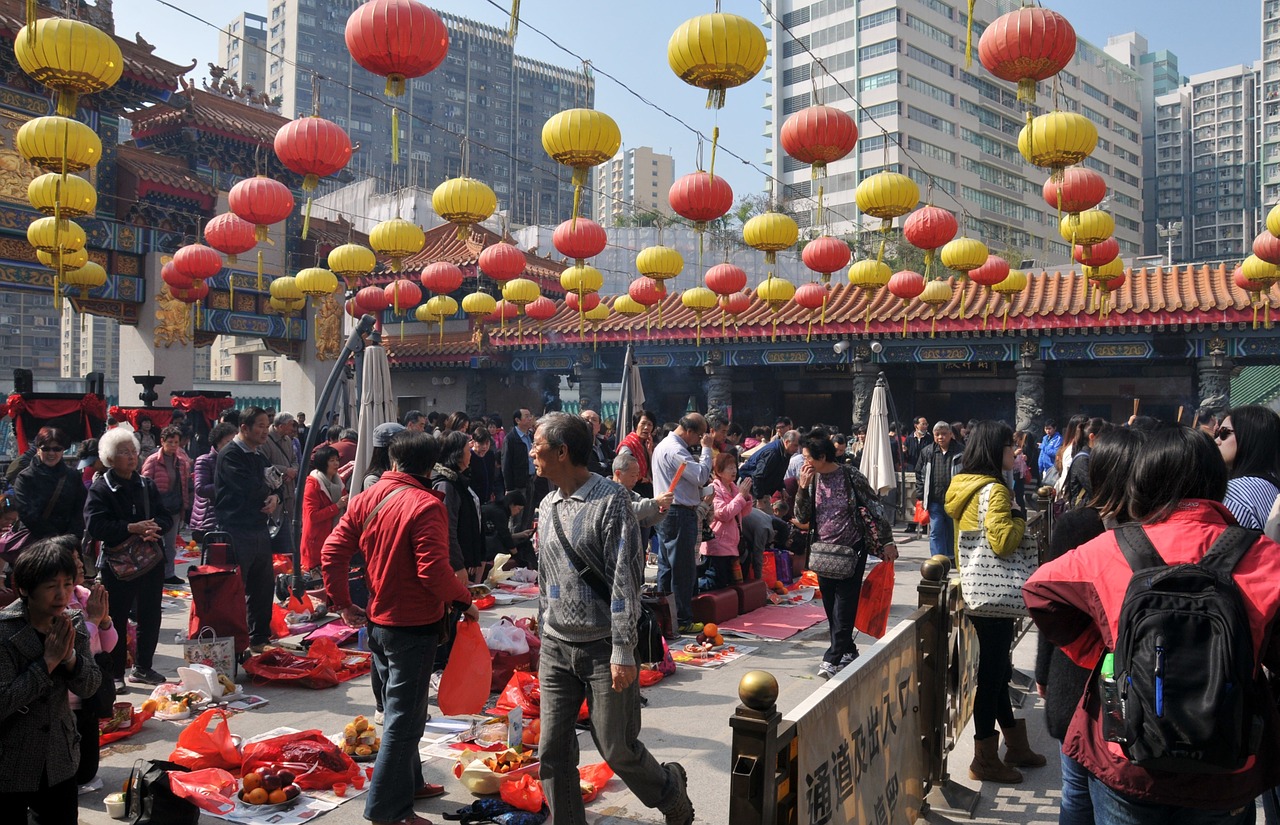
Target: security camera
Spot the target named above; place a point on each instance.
(841, 347)
(877, 347)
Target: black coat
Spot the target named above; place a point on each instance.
(466, 539)
(240, 489)
(600, 460)
(33, 490)
(515, 462)
(114, 504)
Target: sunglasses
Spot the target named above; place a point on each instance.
(1224, 433)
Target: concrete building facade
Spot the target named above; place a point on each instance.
(242, 47)
(1269, 100)
(635, 181)
(904, 62)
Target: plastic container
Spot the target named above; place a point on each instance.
(115, 805)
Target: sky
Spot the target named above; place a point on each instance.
(628, 40)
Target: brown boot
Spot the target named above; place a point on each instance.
(1017, 751)
(986, 765)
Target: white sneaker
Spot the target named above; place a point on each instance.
(435, 681)
(377, 717)
(92, 785)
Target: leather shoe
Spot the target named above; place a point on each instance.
(428, 791)
(412, 819)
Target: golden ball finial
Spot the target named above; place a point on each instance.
(935, 568)
(758, 690)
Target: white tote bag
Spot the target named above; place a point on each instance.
(991, 584)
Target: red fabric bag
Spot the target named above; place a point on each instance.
(200, 746)
(317, 762)
(921, 515)
(217, 601)
(281, 666)
(210, 789)
(464, 687)
(875, 601)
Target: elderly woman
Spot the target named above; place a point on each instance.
(450, 478)
(50, 494)
(123, 504)
(203, 518)
(170, 470)
(639, 443)
(44, 655)
(323, 499)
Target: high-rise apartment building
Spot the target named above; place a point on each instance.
(483, 92)
(89, 344)
(903, 60)
(634, 182)
(242, 47)
(1269, 99)
(1169, 231)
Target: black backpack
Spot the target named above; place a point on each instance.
(1190, 692)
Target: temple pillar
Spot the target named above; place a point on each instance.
(1029, 396)
(718, 388)
(1213, 382)
(864, 385)
(302, 381)
(590, 389)
(477, 403)
(161, 343)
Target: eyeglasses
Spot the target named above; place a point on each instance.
(1224, 433)
(52, 448)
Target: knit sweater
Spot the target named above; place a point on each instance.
(597, 519)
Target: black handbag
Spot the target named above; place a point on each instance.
(148, 799)
(102, 703)
(649, 644)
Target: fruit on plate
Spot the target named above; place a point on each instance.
(268, 786)
(532, 733)
(150, 706)
(710, 630)
(510, 760)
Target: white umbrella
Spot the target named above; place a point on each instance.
(632, 399)
(877, 455)
(377, 406)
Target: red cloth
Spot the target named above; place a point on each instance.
(640, 450)
(318, 513)
(210, 408)
(160, 417)
(406, 551)
(346, 450)
(1075, 601)
(29, 414)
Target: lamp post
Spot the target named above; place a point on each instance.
(1167, 233)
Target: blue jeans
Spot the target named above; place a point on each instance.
(719, 573)
(567, 673)
(402, 657)
(941, 540)
(1113, 808)
(1077, 807)
(678, 559)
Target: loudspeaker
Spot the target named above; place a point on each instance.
(95, 383)
(23, 381)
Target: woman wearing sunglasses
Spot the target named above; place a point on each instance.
(50, 494)
(1249, 440)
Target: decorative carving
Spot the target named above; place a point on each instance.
(328, 329)
(1029, 397)
(719, 389)
(227, 87)
(172, 320)
(477, 393)
(864, 386)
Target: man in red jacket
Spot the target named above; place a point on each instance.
(401, 526)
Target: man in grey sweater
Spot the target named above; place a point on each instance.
(589, 641)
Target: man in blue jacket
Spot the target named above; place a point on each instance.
(1049, 447)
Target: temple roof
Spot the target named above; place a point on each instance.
(211, 113)
(167, 175)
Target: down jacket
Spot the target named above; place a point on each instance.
(202, 514)
(1075, 602)
(730, 506)
(154, 469)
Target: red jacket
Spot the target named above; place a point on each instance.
(406, 551)
(318, 513)
(1075, 601)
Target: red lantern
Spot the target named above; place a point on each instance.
(1079, 190)
(647, 291)
(1266, 246)
(543, 309)
(443, 277)
(173, 278)
(995, 270)
(819, 135)
(402, 295)
(197, 261)
(906, 284)
(352, 306)
(735, 304)
(398, 39)
(825, 255)
(502, 262)
(503, 312)
(1026, 46)
(1108, 251)
(812, 297)
(261, 201)
(579, 239)
(314, 148)
(726, 279)
(371, 300)
(230, 234)
(929, 228)
(701, 198)
(586, 303)
(192, 294)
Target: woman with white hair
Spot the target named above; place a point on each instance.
(123, 505)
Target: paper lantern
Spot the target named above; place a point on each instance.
(1273, 217)
(54, 235)
(66, 196)
(819, 135)
(581, 279)
(540, 311)
(1267, 247)
(994, 270)
(1057, 140)
(906, 285)
(812, 297)
(197, 261)
(929, 228)
(935, 294)
(964, 254)
(314, 148)
(649, 293)
(50, 142)
(771, 233)
(71, 57)
(284, 306)
(628, 306)
(732, 306)
(580, 139)
(193, 294)
(1103, 253)
(170, 275)
(775, 293)
(397, 239)
(317, 282)
(479, 305)
(503, 312)
(886, 195)
(717, 52)
(84, 278)
(437, 310)
(371, 300)
(70, 260)
(578, 239)
(352, 307)
(584, 303)
(1025, 46)
(869, 277)
(286, 297)
(401, 295)
(698, 300)
(261, 201)
(1087, 228)
(1102, 276)
(701, 198)
(502, 262)
(463, 202)
(1014, 283)
(441, 277)
(520, 292)
(231, 235)
(825, 255)
(659, 262)
(1075, 189)
(351, 261)
(726, 279)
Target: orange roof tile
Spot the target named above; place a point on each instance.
(443, 244)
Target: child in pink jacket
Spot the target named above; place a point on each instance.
(732, 501)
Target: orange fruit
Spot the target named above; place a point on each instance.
(251, 781)
(276, 797)
(710, 630)
(719, 640)
(150, 706)
(258, 796)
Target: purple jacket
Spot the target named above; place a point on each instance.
(202, 515)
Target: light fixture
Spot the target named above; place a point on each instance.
(1027, 354)
(1217, 352)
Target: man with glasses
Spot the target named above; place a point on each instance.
(601, 459)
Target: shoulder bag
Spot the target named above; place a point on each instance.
(135, 556)
(18, 537)
(831, 560)
(991, 584)
(649, 644)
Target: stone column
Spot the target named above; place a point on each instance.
(477, 393)
(1213, 383)
(718, 387)
(864, 386)
(590, 390)
(1029, 397)
(302, 381)
(161, 343)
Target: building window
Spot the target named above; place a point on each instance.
(880, 18)
(875, 81)
(876, 50)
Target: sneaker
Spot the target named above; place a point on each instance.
(121, 687)
(826, 670)
(144, 676)
(691, 627)
(847, 659)
(377, 717)
(435, 681)
(92, 785)
(175, 580)
(680, 810)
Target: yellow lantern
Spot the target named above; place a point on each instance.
(1262, 276)
(286, 288)
(1086, 228)
(87, 277)
(70, 260)
(659, 262)
(66, 196)
(699, 299)
(936, 293)
(520, 292)
(52, 235)
(70, 57)
(717, 52)
(776, 293)
(463, 201)
(436, 310)
(581, 280)
(479, 305)
(316, 282)
(286, 306)
(397, 239)
(869, 277)
(1014, 282)
(1273, 220)
(628, 307)
(1102, 275)
(351, 260)
(964, 255)
(52, 142)
(771, 233)
(581, 139)
(1057, 140)
(595, 316)
(886, 195)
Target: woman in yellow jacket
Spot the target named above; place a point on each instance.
(988, 455)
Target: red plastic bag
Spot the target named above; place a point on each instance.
(325, 651)
(597, 775)
(875, 601)
(279, 627)
(485, 602)
(317, 762)
(769, 571)
(522, 692)
(464, 687)
(281, 666)
(524, 792)
(921, 515)
(210, 789)
(200, 747)
(649, 678)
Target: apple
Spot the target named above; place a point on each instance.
(271, 782)
(286, 777)
(292, 791)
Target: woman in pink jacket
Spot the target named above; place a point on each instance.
(170, 469)
(732, 501)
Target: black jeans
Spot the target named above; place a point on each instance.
(995, 667)
(142, 596)
(840, 602)
(87, 725)
(55, 805)
(253, 554)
